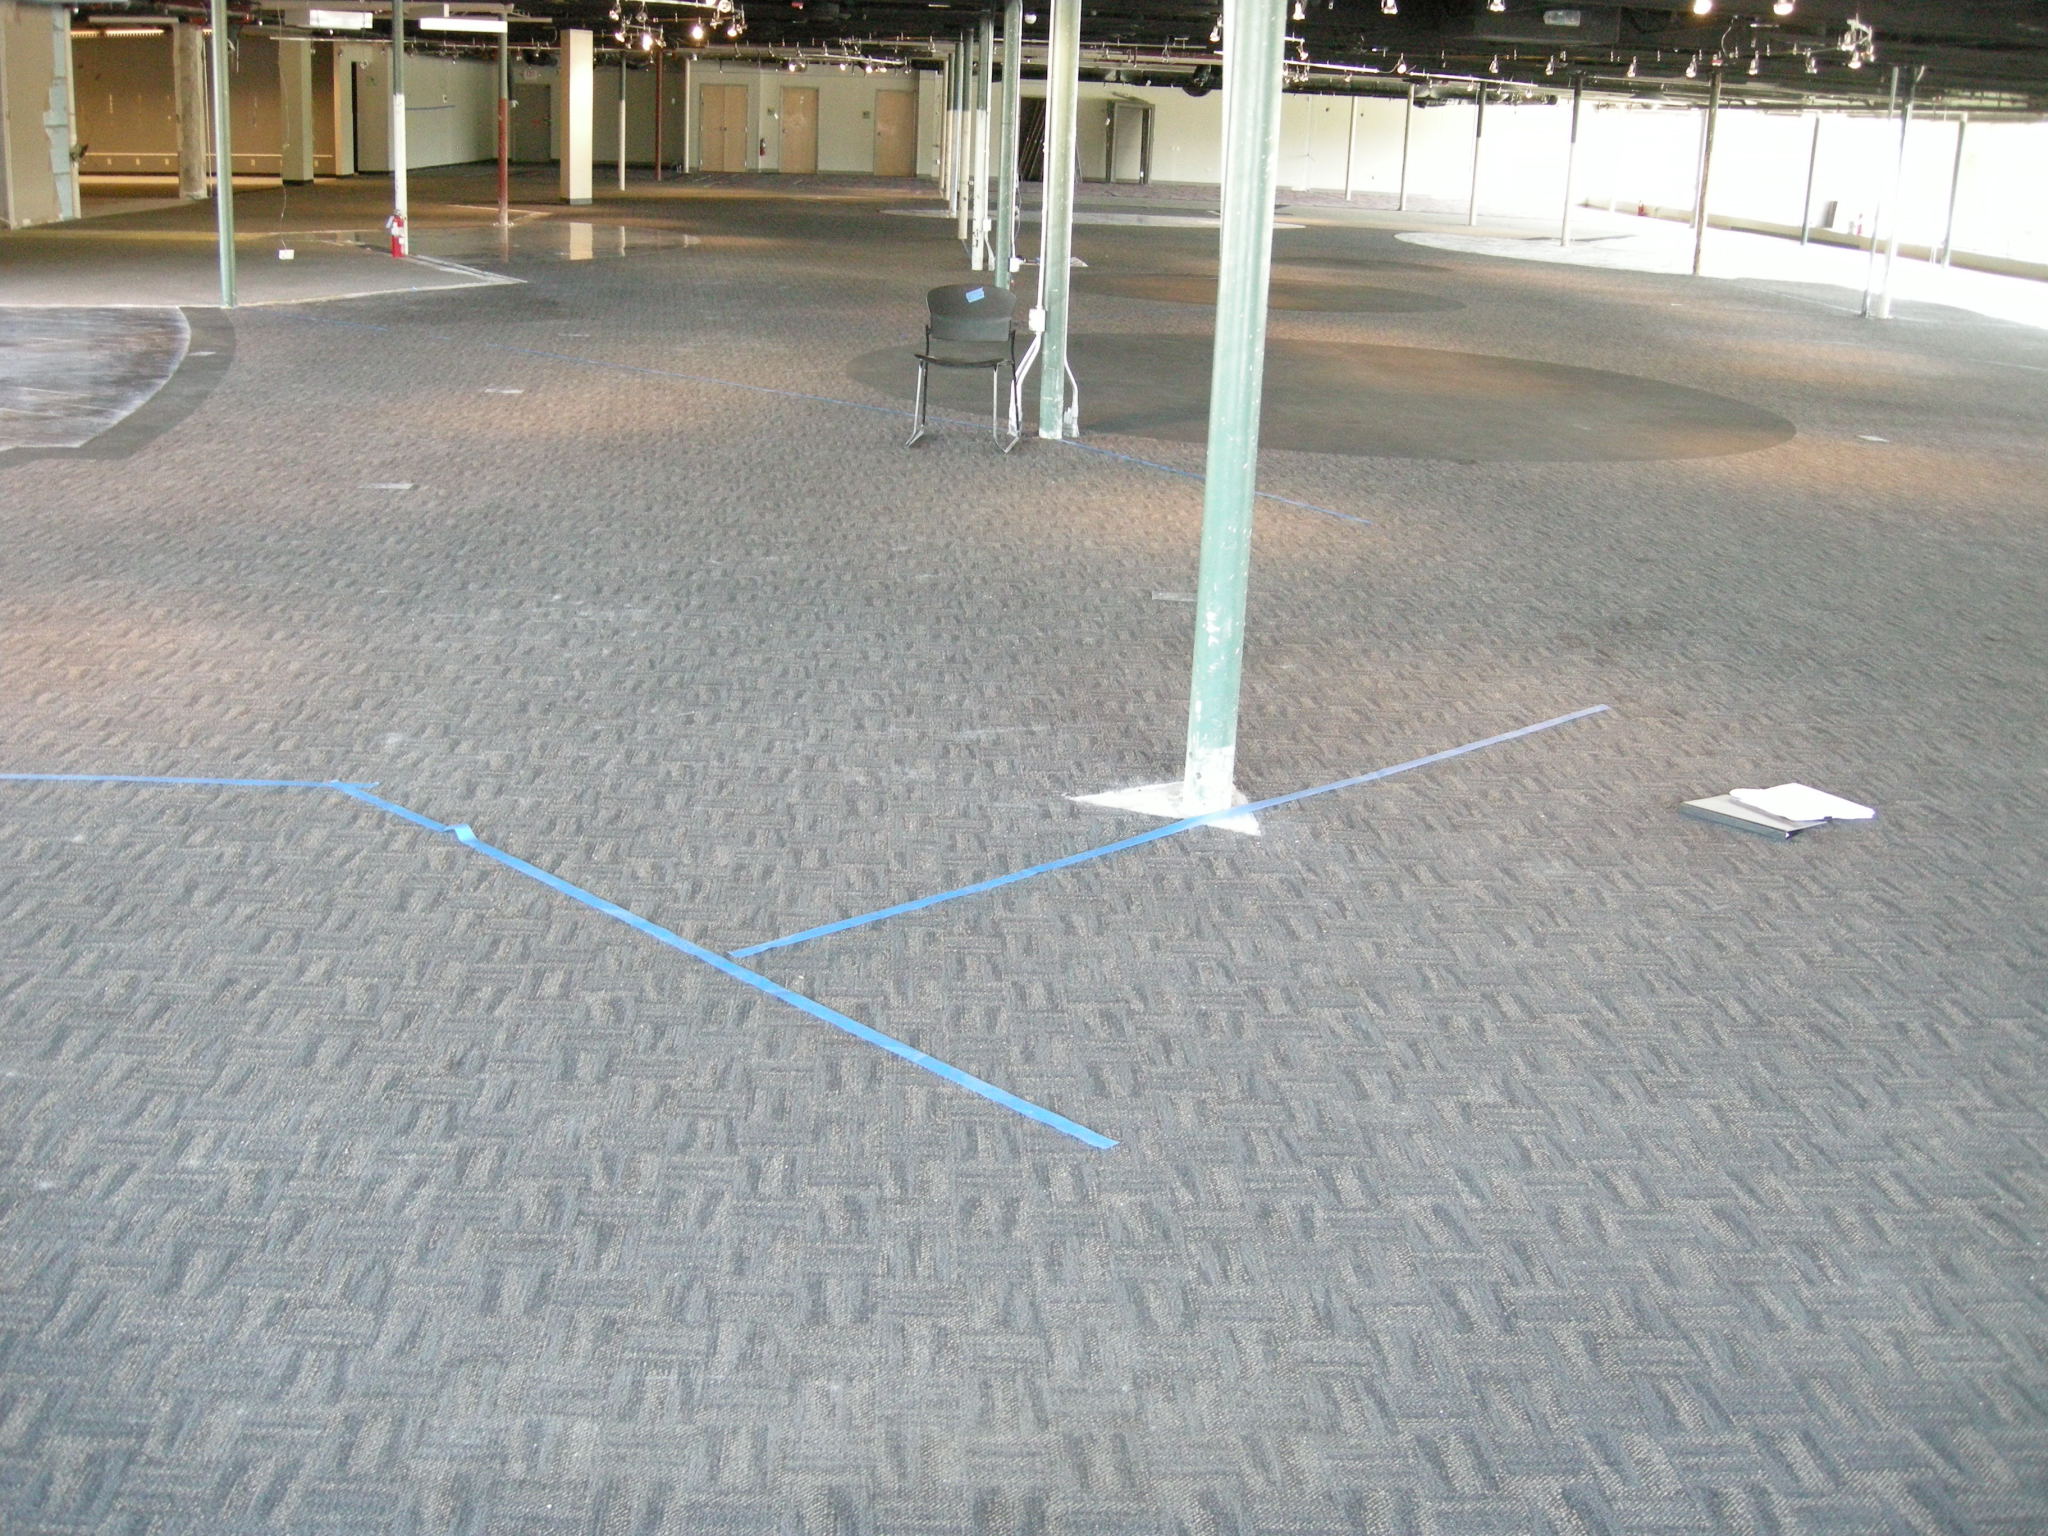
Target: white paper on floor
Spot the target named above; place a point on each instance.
(1801, 802)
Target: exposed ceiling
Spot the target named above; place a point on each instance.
(1979, 55)
(1991, 54)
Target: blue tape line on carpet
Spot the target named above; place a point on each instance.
(817, 1010)
(1169, 830)
(146, 778)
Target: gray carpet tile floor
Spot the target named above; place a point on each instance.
(1498, 1151)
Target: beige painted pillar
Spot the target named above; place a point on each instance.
(29, 186)
(575, 110)
(295, 108)
(341, 100)
(188, 82)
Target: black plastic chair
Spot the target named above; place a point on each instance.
(972, 325)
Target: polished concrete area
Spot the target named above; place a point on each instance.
(1497, 1151)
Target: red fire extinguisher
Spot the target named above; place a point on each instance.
(399, 245)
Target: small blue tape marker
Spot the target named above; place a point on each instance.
(975, 295)
(817, 1010)
(1153, 836)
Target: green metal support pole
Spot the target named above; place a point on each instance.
(223, 158)
(1006, 143)
(1898, 198)
(963, 176)
(1056, 227)
(1571, 163)
(1254, 34)
(980, 255)
(1478, 156)
(1699, 202)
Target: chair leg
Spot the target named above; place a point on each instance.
(917, 414)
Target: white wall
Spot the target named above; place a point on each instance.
(451, 109)
(1650, 158)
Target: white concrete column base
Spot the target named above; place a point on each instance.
(1168, 802)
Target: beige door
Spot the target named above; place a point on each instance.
(722, 128)
(799, 110)
(895, 133)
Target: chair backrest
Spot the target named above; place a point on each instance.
(971, 312)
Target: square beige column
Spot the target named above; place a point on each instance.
(295, 108)
(30, 190)
(576, 104)
(188, 89)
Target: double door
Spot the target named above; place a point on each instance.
(722, 128)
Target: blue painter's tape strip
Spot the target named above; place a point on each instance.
(975, 295)
(817, 1010)
(144, 778)
(1169, 830)
(357, 792)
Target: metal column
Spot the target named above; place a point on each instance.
(963, 144)
(1867, 309)
(223, 158)
(1350, 146)
(1812, 170)
(1955, 189)
(622, 117)
(1006, 144)
(689, 110)
(1571, 162)
(978, 254)
(1056, 226)
(949, 151)
(401, 237)
(1478, 145)
(1891, 246)
(505, 128)
(660, 109)
(1254, 40)
(1407, 128)
(1699, 201)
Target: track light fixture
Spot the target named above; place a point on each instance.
(1300, 12)
(1631, 69)
(1216, 32)
(1493, 65)
(1781, 7)
(1496, 6)
(1390, 7)
(1692, 67)
(1703, 7)
(1756, 62)
(1401, 65)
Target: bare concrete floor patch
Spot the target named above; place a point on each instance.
(66, 375)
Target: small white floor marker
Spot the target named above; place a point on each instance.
(1164, 801)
